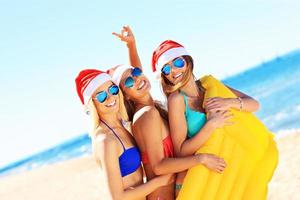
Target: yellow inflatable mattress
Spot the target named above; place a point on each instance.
(248, 149)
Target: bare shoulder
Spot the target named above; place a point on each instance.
(149, 115)
(104, 141)
(105, 149)
(147, 119)
(175, 99)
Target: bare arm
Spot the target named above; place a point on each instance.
(128, 37)
(178, 128)
(151, 123)
(108, 154)
(250, 104)
(245, 103)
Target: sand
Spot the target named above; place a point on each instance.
(286, 180)
(82, 179)
(77, 179)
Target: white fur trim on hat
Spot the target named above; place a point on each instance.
(118, 73)
(170, 55)
(94, 84)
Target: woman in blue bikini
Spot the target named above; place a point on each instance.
(113, 146)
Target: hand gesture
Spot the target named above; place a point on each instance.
(126, 35)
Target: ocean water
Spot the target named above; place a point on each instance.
(73, 148)
(275, 84)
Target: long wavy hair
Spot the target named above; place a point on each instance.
(130, 109)
(95, 128)
(168, 87)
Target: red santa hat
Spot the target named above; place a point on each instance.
(165, 52)
(88, 81)
(117, 73)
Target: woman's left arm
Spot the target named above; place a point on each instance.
(243, 102)
(127, 36)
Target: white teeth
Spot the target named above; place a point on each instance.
(111, 104)
(141, 85)
(177, 75)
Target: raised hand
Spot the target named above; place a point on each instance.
(126, 35)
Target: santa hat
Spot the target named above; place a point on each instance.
(117, 73)
(88, 81)
(165, 52)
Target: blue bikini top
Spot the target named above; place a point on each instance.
(130, 159)
(195, 120)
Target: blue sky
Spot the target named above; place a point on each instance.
(44, 44)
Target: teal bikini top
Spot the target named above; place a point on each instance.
(195, 120)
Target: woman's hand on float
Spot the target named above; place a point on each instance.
(212, 162)
(218, 104)
(218, 119)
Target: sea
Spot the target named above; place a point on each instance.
(274, 83)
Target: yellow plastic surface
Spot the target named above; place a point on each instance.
(249, 150)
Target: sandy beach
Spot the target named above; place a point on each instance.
(81, 178)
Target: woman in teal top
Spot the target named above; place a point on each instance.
(190, 126)
(195, 119)
(196, 123)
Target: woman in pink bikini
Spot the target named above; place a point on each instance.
(150, 126)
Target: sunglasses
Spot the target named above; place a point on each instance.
(129, 81)
(102, 96)
(178, 63)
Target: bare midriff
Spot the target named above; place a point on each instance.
(133, 180)
(162, 193)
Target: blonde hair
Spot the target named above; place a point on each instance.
(95, 128)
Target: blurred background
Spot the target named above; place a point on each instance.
(253, 46)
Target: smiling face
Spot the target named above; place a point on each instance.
(178, 76)
(107, 105)
(139, 87)
(175, 70)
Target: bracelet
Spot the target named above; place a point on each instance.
(241, 103)
(178, 186)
